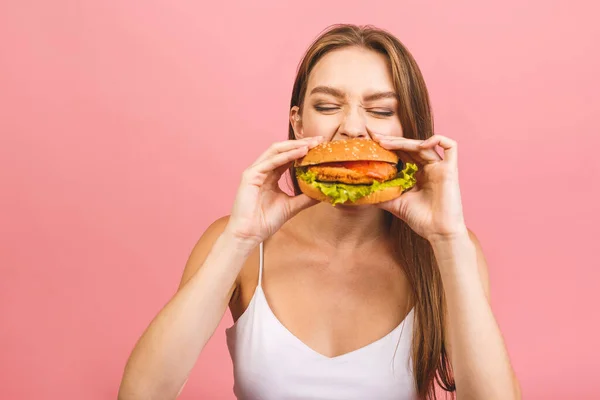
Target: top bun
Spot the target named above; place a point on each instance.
(356, 149)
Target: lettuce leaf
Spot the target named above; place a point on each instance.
(340, 193)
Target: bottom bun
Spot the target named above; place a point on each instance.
(378, 196)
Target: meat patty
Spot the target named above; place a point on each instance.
(354, 172)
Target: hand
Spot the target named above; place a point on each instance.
(433, 207)
(261, 207)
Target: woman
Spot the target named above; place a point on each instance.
(385, 301)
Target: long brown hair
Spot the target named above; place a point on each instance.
(430, 359)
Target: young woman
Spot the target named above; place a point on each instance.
(385, 301)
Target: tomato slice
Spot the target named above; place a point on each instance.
(379, 170)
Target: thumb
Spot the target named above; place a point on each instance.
(395, 207)
(299, 203)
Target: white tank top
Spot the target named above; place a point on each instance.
(270, 363)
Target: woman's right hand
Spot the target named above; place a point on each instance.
(261, 207)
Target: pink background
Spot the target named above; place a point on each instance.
(117, 120)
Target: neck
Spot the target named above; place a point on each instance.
(344, 226)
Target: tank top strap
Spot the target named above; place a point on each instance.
(261, 257)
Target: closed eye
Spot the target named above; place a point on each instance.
(377, 112)
(326, 108)
(382, 113)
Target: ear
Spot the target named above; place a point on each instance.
(296, 122)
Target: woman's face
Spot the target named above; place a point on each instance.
(349, 94)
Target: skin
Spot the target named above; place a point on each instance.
(351, 261)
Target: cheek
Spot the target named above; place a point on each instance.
(325, 126)
(385, 127)
(328, 125)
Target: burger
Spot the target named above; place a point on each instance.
(353, 172)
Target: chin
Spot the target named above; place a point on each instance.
(354, 208)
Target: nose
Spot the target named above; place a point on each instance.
(353, 125)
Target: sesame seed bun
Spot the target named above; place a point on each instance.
(352, 165)
(357, 149)
(373, 198)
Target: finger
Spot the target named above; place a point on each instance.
(387, 205)
(450, 146)
(405, 157)
(392, 206)
(278, 173)
(281, 147)
(398, 206)
(299, 203)
(261, 174)
(279, 160)
(412, 146)
(395, 141)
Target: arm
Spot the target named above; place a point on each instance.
(477, 353)
(480, 361)
(168, 349)
(165, 354)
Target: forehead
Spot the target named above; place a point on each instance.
(353, 70)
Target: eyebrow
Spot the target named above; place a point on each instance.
(328, 90)
(340, 95)
(381, 95)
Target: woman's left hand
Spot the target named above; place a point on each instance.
(432, 208)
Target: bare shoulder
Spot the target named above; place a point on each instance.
(202, 248)
(482, 266)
